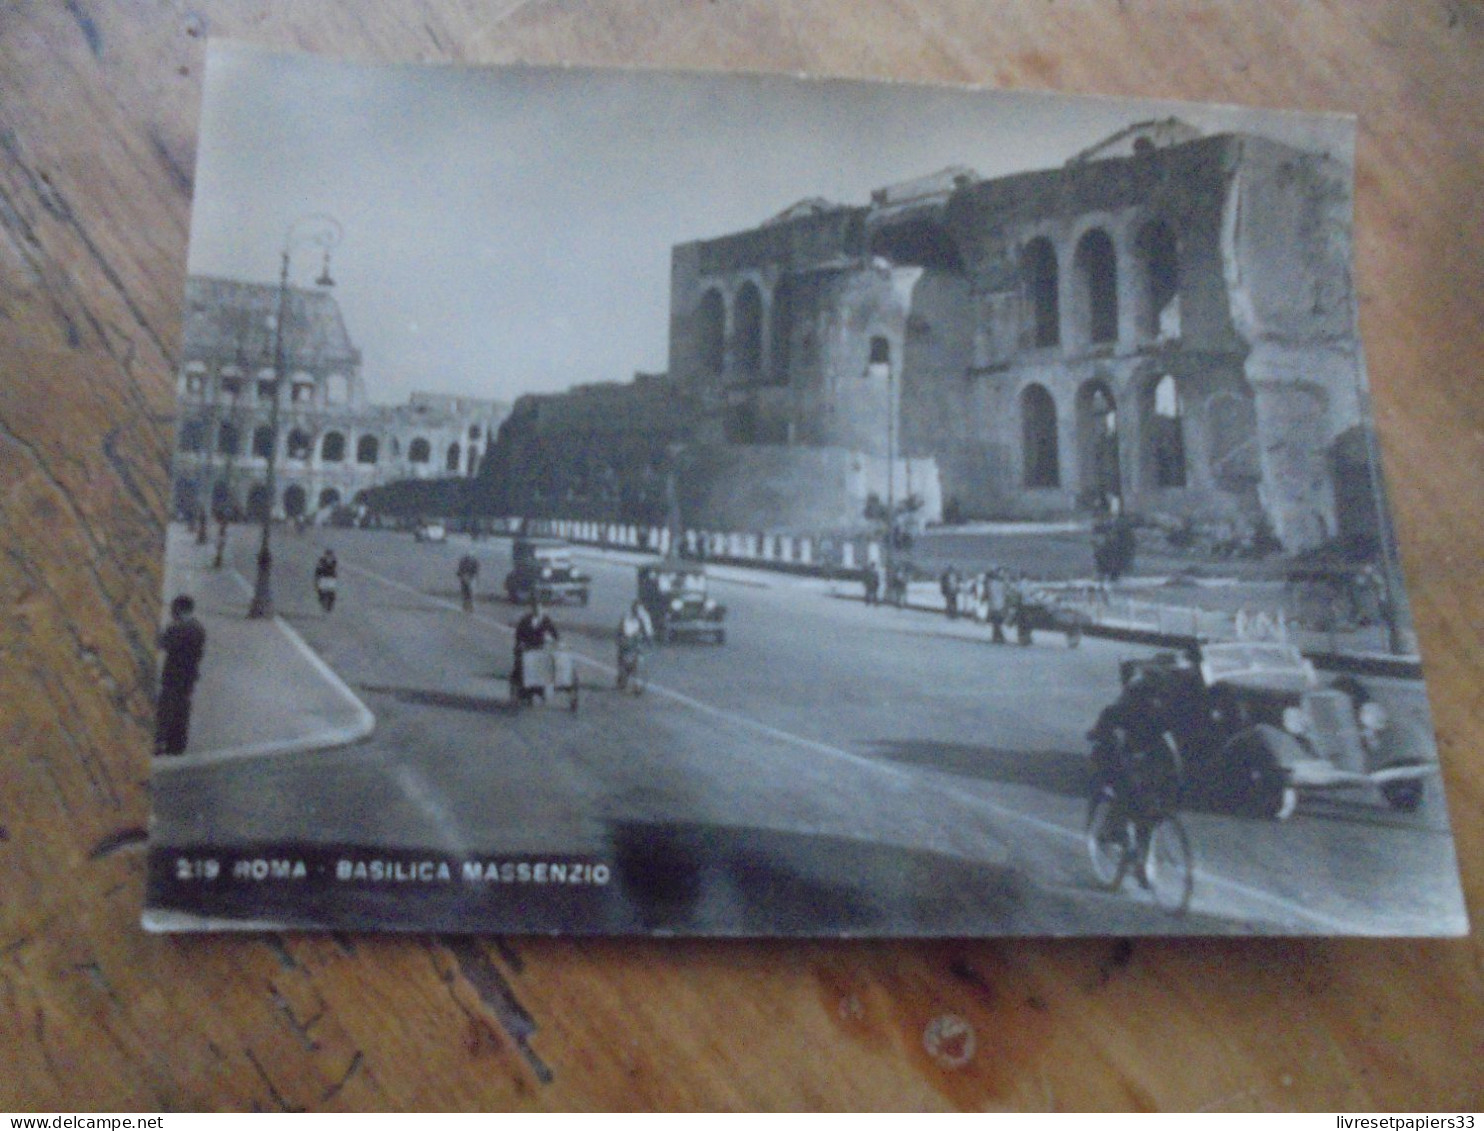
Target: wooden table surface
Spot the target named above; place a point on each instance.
(98, 108)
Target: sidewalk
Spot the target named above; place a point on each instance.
(262, 690)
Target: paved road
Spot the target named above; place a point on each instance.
(830, 767)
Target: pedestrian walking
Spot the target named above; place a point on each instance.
(948, 584)
(872, 580)
(221, 543)
(183, 642)
(999, 605)
(468, 571)
(326, 579)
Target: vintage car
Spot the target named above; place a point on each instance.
(430, 532)
(1248, 726)
(1045, 610)
(542, 567)
(674, 594)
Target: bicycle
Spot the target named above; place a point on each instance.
(1154, 848)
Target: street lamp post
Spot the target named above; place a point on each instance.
(324, 232)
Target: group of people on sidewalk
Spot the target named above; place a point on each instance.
(993, 597)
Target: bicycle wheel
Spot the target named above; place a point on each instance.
(1109, 840)
(1169, 866)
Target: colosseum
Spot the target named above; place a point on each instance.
(331, 443)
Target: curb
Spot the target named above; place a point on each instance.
(331, 738)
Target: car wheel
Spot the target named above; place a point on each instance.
(1257, 779)
(1403, 796)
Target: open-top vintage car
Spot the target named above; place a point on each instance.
(542, 567)
(1044, 609)
(674, 594)
(1248, 726)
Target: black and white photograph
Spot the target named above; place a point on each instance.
(620, 502)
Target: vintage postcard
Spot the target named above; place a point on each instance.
(615, 502)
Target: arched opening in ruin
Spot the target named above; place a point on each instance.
(747, 322)
(451, 459)
(1039, 278)
(193, 436)
(919, 243)
(223, 504)
(328, 498)
(185, 497)
(1040, 461)
(1162, 425)
(781, 332)
(1101, 481)
(299, 444)
(228, 439)
(711, 333)
(1159, 261)
(1096, 268)
(258, 500)
(262, 442)
(332, 448)
(419, 451)
(294, 500)
(368, 448)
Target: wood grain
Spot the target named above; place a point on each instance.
(98, 104)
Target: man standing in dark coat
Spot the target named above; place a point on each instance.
(183, 642)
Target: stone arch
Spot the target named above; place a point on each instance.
(451, 460)
(328, 498)
(295, 500)
(711, 332)
(781, 332)
(192, 435)
(1157, 255)
(228, 439)
(419, 451)
(262, 442)
(1095, 271)
(1162, 430)
(920, 242)
(368, 448)
(300, 444)
(223, 502)
(1040, 458)
(332, 447)
(747, 331)
(1040, 279)
(258, 502)
(1098, 455)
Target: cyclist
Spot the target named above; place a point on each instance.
(635, 630)
(1137, 766)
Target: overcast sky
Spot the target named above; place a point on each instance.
(508, 230)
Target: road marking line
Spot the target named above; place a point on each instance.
(1293, 909)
